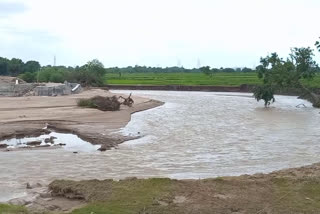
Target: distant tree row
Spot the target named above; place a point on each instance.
(90, 74)
(14, 66)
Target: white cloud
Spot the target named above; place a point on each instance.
(225, 33)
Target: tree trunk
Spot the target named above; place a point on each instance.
(310, 96)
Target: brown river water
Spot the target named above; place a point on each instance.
(193, 135)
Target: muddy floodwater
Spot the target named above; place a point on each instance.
(193, 135)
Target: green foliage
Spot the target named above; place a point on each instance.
(317, 44)
(264, 92)
(32, 66)
(91, 74)
(278, 74)
(4, 64)
(57, 77)
(86, 103)
(28, 77)
(15, 67)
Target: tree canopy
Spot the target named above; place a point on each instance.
(278, 74)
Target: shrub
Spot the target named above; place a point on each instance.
(101, 103)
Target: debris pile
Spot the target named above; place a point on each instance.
(105, 103)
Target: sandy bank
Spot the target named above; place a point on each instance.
(27, 116)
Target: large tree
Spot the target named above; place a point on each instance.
(91, 74)
(32, 66)
(278, 74)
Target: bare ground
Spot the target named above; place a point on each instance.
(27, 116)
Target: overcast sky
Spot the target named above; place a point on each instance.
(220, 33)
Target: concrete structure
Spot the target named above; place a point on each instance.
(58, 89)
(11, 89)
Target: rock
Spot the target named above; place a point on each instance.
(47, 140)
(32, 186)
(50, 140)
(46, 195)
(52, 207)
(3, 146)
(104, 147)
(28, 186)
(179, 199)
(34, 143)
(75, 152)
(62, 144)
(19, 202)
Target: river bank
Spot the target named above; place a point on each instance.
(244, 88)
(293, 191)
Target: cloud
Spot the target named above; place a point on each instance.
(119, 33)
(11, 8)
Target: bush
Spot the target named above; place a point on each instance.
(101, 103)
(86, 103)
(28, 77)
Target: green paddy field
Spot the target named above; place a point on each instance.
(184, 78)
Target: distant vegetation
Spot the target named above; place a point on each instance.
(91, 73)
(94, 74)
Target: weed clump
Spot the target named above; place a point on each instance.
(101, 103)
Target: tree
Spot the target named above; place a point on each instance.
(317, 44)
(91, 73)
(278, 74)
(207, 71)
(15, 66)
(32, 66)
(4, 68)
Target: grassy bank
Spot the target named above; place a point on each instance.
(287, 191)
(244, 194)
(218, 79)
(11, 209)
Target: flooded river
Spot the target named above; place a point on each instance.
(193, 135)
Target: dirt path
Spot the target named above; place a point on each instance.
(27, 116)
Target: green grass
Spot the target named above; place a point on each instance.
(133, 196)
(218, 79)
(297, 196)
(11, 209)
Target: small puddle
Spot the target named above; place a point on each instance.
(69, 142)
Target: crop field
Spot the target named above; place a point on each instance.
(217, 79)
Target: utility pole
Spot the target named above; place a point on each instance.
(54, 61)
(198, 63)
